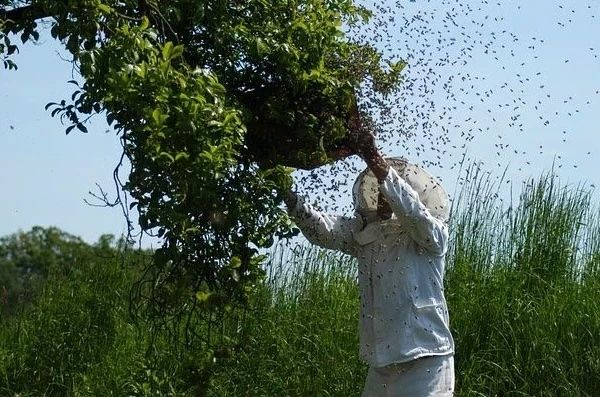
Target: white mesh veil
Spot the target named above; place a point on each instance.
(431, 193)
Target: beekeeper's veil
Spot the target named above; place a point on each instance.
(430, 191)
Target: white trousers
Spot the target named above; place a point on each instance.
(431, 376)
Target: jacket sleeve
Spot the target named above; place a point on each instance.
(428, 231)
(328, 231)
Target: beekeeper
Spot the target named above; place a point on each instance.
(399, 237)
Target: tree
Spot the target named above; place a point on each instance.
(213, 100)
(26, 260)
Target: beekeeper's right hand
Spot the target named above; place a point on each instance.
(290, 199)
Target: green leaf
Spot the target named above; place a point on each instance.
(261, 47)
(158, 117)
(49, 104)
(25, 36)
(203, 296)
(167, 156)
(145, 23)
(236, 262)
(167, 50)
(105, 8)
(82, 127)
(177, 51)
(182, 156)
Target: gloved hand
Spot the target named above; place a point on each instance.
(290, 199)
(384, 211)
(362, 141)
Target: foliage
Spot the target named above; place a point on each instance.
(211, 100)
(26, 259)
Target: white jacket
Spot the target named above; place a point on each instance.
(403, 314)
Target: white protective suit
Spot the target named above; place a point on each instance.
(403, 314)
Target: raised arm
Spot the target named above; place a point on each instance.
(327, 231)
(400, 198)
(428, 231)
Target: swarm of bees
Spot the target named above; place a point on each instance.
(477, 74)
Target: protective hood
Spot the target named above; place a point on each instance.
(430, 191)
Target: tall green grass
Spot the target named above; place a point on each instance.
(522, 286)
(302, 331)
(522, 283)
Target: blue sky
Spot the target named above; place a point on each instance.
(45, 175)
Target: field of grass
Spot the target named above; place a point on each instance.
(522, 285)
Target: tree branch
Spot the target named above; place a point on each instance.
(17, 16)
